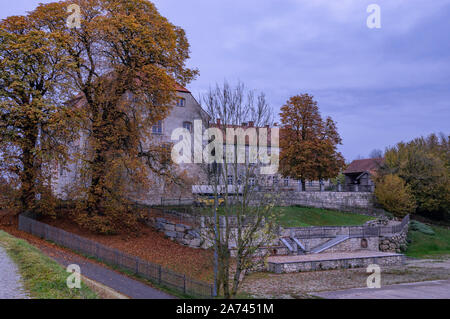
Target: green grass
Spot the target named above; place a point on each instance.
(295, 216)
(42, 277)
(423, 245)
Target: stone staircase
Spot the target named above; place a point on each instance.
(331, 243)
(296, 247)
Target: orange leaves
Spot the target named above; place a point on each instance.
(308, 143)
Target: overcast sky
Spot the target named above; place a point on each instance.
(381, 86)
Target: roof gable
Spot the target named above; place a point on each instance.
(364, 165)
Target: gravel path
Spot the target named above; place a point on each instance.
(10, 280)
(307, 284)
(439, 289)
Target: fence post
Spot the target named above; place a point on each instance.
(137, 266)
(184, 283)
(159, 274)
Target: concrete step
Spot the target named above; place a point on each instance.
(331, 243)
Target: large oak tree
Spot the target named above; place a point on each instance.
(308, 143)
(34, 121)
(126, 60)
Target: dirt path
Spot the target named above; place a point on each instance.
(121, 283)
(91, 269)
(10, 280)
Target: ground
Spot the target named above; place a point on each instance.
(306, 284)
(151, 246)
(423, 245)
(42, 277)
(435, 249)
(438, 289)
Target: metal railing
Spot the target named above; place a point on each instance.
(176, 201)
(148, 270)
(352, 231)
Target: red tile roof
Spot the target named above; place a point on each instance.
(364, 165)
(180, 88)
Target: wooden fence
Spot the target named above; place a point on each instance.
(148, 270)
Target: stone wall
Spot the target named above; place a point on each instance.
(183, 234)
(346, 201)
(396, 243)
(290, 267)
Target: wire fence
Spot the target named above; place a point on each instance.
(148, 270)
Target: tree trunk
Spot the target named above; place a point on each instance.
(303, 185)
(29, 173)
(98, 167)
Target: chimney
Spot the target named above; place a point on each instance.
(275, 124)
(218, 121)
(251, 123)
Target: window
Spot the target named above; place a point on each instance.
(252, 181)
(230, 179)
(286, 181)
(275, 180)
(188, 126)
(157, 128)
(181, 102)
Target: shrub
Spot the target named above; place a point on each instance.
(394, 195)
(420, 227)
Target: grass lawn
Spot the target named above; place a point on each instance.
(423, 245)
(295, 216)
(43, 278)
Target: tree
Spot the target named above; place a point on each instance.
(376, 153)
(245, 223)
(308, 143)
(127, 60)
(423, 164)
(34, 121)
(394, 195)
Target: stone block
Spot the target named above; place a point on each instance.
(169, 227)
(171, 234)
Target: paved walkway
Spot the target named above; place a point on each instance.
(439, 289)
(121, 283)
(10, 280)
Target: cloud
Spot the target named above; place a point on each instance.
(380, 85)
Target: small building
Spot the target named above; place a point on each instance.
(358, 175)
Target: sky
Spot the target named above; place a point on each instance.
(381, 85)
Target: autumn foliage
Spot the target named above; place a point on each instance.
(424, 165)
(394, 195)
(120, 69)
(308, 143)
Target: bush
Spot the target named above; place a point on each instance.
(420, 227)
(394, 195)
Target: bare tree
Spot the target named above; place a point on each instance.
(376, 153)
(245, 224)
